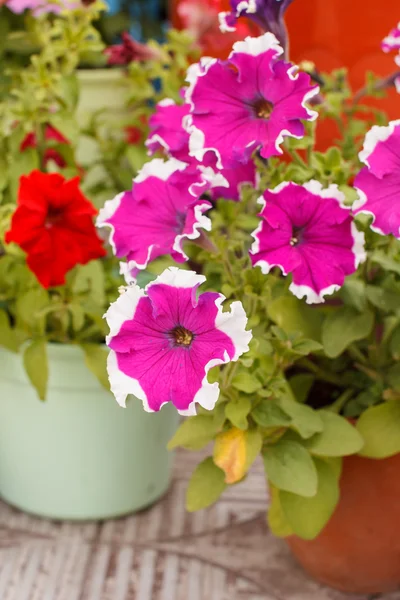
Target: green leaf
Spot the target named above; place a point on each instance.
(246, 382)
(289, 467)
(29, 307)
(89, 280)
(8, 338)
(194, 433)
(36, 366)
(338, 438)
(277, 521)
(395, 344)
(77, 316)
(301, 385)
(96, 362)
(393, 377)
(380, 427)
(344, 326)
(254, 442)
(353, 294)
(388, 264)
(205, 486)
(22, 163)
(387, 300)
(308, 516)
(268, 414)
(237, 412)
(306, 347)
(294, 316)
(305, 419)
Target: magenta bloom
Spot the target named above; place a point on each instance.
(392, 41)
(378, 183)
(157, 215)
(169, 135)
(306, 230)
(129, 50)
(267, 14)
(252, 101)
(167, 132)
(165, 339)
(39, 6)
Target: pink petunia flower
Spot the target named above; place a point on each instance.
(252, 101)
(169, 135)
(162, 210)
(390, 43)
(40, 6)
(307, 231)
(165, 339)
(378, 183)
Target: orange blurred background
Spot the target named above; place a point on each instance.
(331, 33)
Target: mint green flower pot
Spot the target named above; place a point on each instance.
(78, 455)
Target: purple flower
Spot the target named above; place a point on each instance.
(161, 211)
(267, 14)
(252, 101)
(169, 135)
(165, 339)
(378, 183)
(306, 230)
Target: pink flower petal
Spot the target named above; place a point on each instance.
(308, 232)
(378, 184)
(164, 340)
(251, 101)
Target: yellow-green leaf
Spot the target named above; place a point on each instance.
(36, 366)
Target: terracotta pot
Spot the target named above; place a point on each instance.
(359, 549)
(341, 32)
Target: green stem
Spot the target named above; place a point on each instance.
(357, 354)
(337, 406)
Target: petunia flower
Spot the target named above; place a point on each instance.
(162, 210)
(51, 133)
(39, 7)
(307, 231)
(169, 135)
(165, 339)
(53, 224)
(391, 43)
(252, 101)
(129, 50)
(378, 183)
(266, 14)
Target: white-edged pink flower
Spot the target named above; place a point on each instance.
(165, 339)
(168, 134)
(162, 210)
(251, 101)
(378, 183)
(392, 41)
(307, 231)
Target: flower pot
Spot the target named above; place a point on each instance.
(99, 90)
(339, 33)
(359, 549)
(78, 455)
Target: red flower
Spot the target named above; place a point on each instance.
(51, 153)
(53, 224)
(130, 50)
(133, 135)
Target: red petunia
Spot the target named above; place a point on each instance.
(53, 224)
(51, 133)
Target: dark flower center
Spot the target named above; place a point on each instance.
(182, 336)
(263, 108)
(53, 217)
(297, 236)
